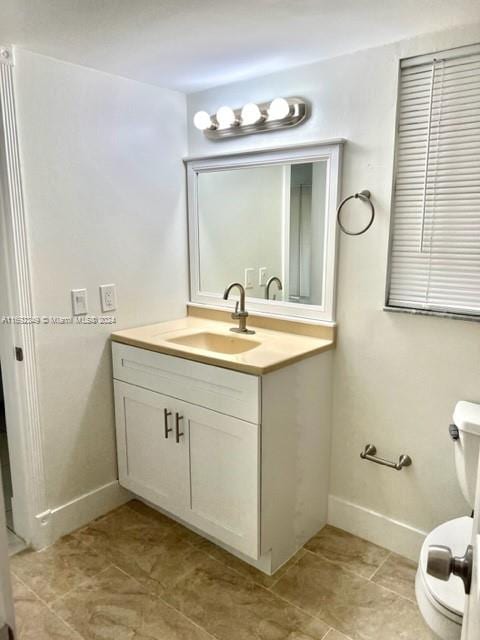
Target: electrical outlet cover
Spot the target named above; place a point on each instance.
(108, 297)
(262, 276)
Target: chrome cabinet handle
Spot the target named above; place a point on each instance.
(166, 413)
(178, 433)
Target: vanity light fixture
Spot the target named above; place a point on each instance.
(202, 121)
(280, 113)
(251, 114)
(226, 118)
(278, 109)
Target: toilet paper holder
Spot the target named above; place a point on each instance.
(369, 453)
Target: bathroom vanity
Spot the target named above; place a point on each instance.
(229, 434)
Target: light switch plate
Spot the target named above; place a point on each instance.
(249, 274)
(108, 297)
(79, 302)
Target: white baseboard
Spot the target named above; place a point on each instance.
(375, 527)
(59, 521)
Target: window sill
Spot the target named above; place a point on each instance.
(437, 314)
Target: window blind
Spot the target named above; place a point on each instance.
(435, 243)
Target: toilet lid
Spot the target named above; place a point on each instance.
(456, 534)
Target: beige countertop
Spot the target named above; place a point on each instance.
(268, 349)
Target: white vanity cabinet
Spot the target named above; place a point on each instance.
(242, 459)
(151, 462)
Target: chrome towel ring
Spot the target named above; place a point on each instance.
(364, 195)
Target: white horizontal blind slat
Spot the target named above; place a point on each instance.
(435, 247)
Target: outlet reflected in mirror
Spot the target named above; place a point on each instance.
(260, 222)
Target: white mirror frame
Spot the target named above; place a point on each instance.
(329, 151)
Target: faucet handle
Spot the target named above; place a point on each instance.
(239, 314)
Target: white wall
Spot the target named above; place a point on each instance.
(104, 191)
(397, 376)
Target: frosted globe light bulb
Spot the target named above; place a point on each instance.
(251, 114)
(202, 120)
(225, 117)
(278, 109)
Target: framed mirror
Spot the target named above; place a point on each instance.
(267, 220)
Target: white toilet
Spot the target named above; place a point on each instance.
(442, 601)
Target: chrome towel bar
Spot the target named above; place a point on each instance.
(369, 453)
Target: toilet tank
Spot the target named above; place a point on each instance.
(466, 418)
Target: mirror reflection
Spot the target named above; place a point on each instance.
(264, 226)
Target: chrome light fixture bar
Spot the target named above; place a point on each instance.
(280, 113)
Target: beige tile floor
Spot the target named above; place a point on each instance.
(136, 575)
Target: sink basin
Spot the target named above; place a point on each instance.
(216, 342)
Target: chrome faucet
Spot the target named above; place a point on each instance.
(269, 283)
(240, 315)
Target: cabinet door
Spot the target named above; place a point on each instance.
(151, 462)
(224, 478)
